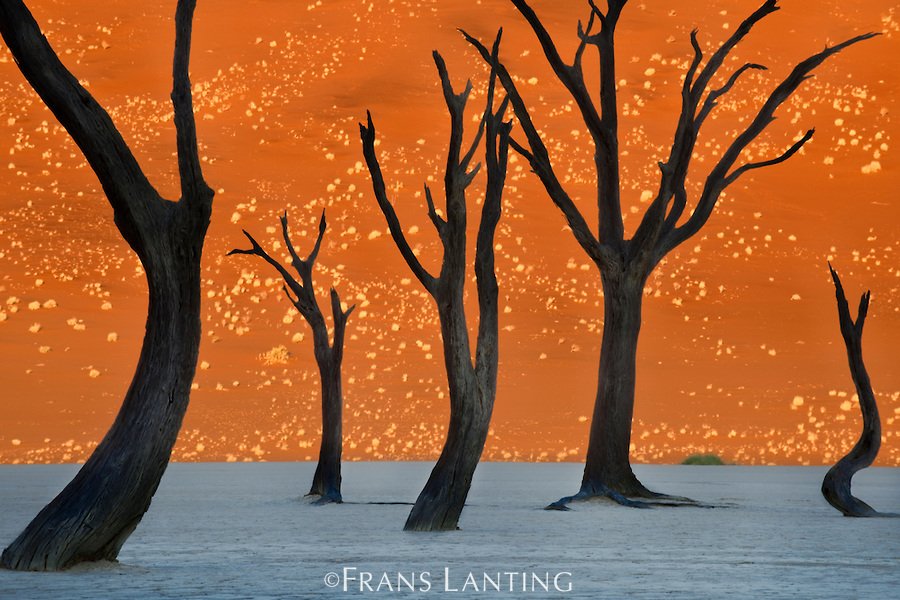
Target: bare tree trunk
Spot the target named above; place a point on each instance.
(607, 466)
(441, 501)
(327, 479)
(836, 485)
(94, 515)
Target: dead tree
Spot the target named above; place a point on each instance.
(836, 485)
(472, 386)
(94, 515)
(329, 354)
(625, 264)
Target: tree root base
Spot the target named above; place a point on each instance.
(643, 499)
(322, 500)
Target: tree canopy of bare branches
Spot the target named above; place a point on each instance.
(671, 218)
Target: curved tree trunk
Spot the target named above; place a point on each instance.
(94, 515)
(441, 501)
(836, 485)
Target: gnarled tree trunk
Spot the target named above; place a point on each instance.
(94, 515)
(329, 355)
(472, 387)
(836, 485)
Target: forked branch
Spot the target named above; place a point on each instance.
(302, 293)
(721, 175)
(539, 158)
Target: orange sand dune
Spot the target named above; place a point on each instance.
(740, 350)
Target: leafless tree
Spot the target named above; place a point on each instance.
(94, 515)
(626, 263)
(472, 386)
(836, 485)
(329, 354)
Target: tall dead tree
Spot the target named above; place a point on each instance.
(329, 354)
(472, 386)
(836, 485)
(94, 515)
(626, 263)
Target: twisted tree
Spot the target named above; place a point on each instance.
(329, 354)
(626, 263)
(472, 386)
(95, 513)
(836, 485)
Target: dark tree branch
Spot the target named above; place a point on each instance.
(311, 259)
(127, 189)
(439, 223)
(712, 98)
(602, 125)
(584, 33)
(340, 317)
(496, 159)
(717, 180)
(194, 190)
(539, 159)
(767, 163)
(295, 286)
(522, 150)
(656, 223)
(303, 270)
(456, 179)
(467, 158)
(718, 57)
(367, 133)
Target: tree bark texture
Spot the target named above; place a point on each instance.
(607, 463)
(97, 511)
(625, 263)
(328, 353)
(836, 485)
(472, 386)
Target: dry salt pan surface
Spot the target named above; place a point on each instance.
(241, 531)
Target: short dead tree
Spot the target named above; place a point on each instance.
(329, 354)
(836, 485)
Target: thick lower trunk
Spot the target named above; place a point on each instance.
(327, 479)
(836, 484)
(94, 515)
(607, 466)
(441, 501)
(472, 392)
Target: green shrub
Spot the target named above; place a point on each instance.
(703, 459)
